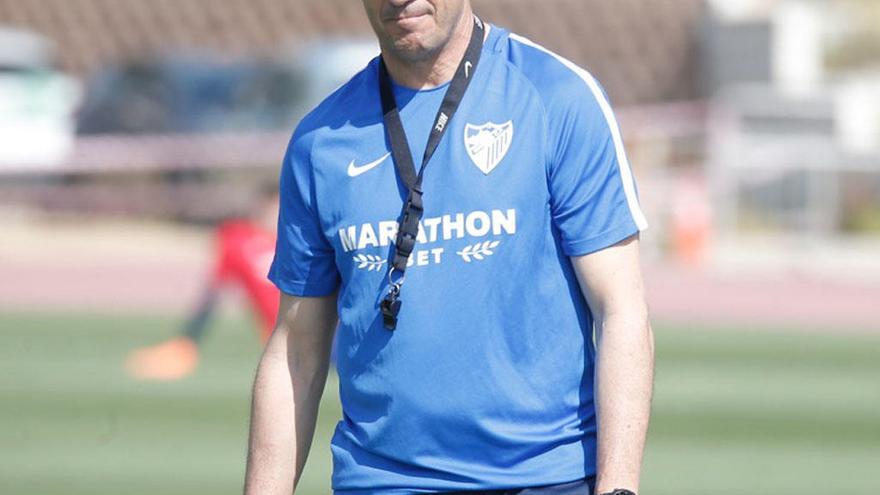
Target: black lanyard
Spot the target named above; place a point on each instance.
(411, 214)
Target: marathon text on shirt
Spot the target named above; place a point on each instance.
(476, 224)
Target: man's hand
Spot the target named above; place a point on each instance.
(611, 281)
(287, 390)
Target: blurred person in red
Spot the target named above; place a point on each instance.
(244, 248)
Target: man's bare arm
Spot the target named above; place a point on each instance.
(611, 281)
(288, 387)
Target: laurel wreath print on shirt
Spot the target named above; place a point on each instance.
(478, 251)
(370, 262)
(474, 252)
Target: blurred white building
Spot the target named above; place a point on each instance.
(37, 102)
(794, 143)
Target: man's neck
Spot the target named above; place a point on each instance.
(437, 70)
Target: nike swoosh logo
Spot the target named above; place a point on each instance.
(354, 171)
(467, 69)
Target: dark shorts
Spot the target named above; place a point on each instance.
(580, 487)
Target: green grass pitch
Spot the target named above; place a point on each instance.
(735, 412)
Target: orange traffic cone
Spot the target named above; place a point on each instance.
(691, 221)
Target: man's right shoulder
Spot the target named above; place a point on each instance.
(347, 103)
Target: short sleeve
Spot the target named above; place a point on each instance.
(593, 197)
(304, 263)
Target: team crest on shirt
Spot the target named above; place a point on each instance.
(487, 144)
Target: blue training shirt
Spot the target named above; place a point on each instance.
(487, 383)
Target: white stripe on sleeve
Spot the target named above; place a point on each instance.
(626, 175)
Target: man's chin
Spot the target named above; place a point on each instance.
(413, 50)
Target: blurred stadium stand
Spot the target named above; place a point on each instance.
(639, 57)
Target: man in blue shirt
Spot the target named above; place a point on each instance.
(466, 292)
